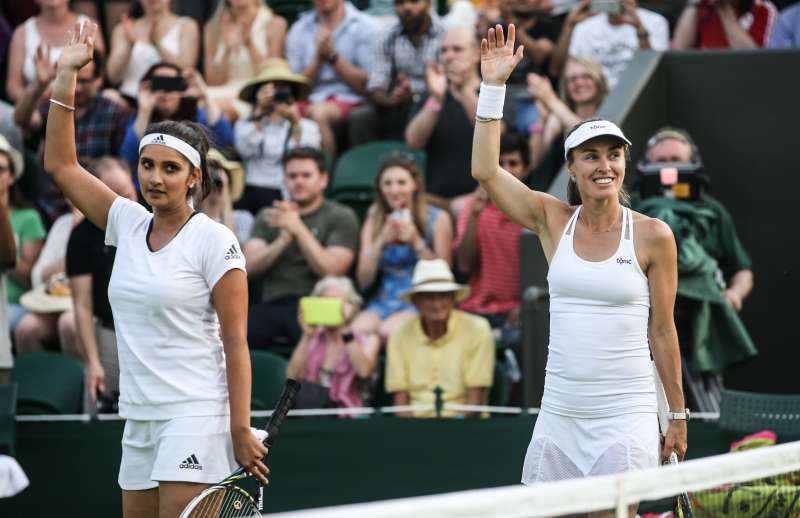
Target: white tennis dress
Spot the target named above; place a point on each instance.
(598, 411)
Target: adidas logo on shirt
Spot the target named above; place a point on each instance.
(191, 462)
(232, 253)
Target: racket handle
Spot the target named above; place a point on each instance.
(285, 403)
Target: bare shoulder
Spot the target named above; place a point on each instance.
(653, 237)
(278, 23)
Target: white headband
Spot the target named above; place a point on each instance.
(175, 143)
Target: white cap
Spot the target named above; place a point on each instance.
(591, 129)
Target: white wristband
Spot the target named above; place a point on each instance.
(490, 102)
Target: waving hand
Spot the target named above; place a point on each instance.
(498, 58)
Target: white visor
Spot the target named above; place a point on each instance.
(590, 130)
(191, 154)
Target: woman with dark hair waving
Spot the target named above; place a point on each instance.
(612, 278)
(178, 293)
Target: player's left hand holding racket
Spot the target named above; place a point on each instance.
(226, 498)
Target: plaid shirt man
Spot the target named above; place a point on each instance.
(394, 54)
(100, 129)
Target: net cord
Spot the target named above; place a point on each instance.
(581, 495)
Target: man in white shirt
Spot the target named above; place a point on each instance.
(609, 39)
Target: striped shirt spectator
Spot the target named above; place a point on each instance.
(395, 54)
(100, 129)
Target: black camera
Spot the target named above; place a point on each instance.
(283, 94)
(675, 180)
(108, 402)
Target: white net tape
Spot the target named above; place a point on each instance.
(581, 495)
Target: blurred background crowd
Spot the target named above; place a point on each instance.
(342, 134)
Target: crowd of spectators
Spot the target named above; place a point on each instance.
(281, 102)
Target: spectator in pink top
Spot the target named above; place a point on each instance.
(334, 364)
(487, 246)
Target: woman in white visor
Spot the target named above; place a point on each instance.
(612, 281)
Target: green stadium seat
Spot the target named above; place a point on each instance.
(354, 176)
(269, 374)
(49, 383)
(501, 386)
(748, 412)
(8, 426)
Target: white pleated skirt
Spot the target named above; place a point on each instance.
(568, 447)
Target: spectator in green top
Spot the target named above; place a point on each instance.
(29, 232)
(722, 243)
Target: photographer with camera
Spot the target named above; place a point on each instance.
(168, 93)
(334, 362)
(609, 32)
(274, 128)
(724, 24)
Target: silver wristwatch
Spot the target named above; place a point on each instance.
(679, 416)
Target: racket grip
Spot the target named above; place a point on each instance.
(285, 403)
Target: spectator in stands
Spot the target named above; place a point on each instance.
(8, 257)
(160, 36)
(337, 61)
(724, 24)
(50, 328)
(274, 127)
(238, 39)
(29, 232)
(99, 121)
(537, 31)
(155, 104)
(45, 34)
(294, 243)
(721, 241)
(89, 262)
(442, 347)
(334, 363)
(397, 78)
(786, 34)
(445, 118)
(582, 90)
(487, 246)
(400, 228)
(228, 178)
(609, 39)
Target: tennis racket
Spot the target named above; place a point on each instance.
(682, 507)
(226, 499)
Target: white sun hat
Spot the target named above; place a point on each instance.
(591, 129)
(434, 276)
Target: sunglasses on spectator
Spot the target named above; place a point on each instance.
(577, 77)
(4, 168)
(513, 162)
(401, 2)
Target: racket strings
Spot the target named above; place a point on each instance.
(225, 502)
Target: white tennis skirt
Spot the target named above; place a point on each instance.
(570, 447)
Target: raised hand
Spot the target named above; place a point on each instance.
(580, 12)
(128, 28)
(436, 81)
(230, 32)
(498, 58)
(79, 48)
(196, 86)
(541, 88)
(45, 69)
(629, 14)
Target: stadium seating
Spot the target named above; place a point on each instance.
(747, 412)
(501, 385)
(353, 179)
(8, 409)
(269, 374)
(49, 383)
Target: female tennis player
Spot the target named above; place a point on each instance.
(177, 286)
(612, 278)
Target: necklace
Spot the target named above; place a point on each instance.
(601, 231)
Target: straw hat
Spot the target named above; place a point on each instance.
(14, 155)
(276, 69)
(53, 296)
(235, 172)
(434, 276)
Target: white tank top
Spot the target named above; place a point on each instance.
(599, 355)
(32, 41)
(145, 55)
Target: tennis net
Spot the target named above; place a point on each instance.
(762, 482)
